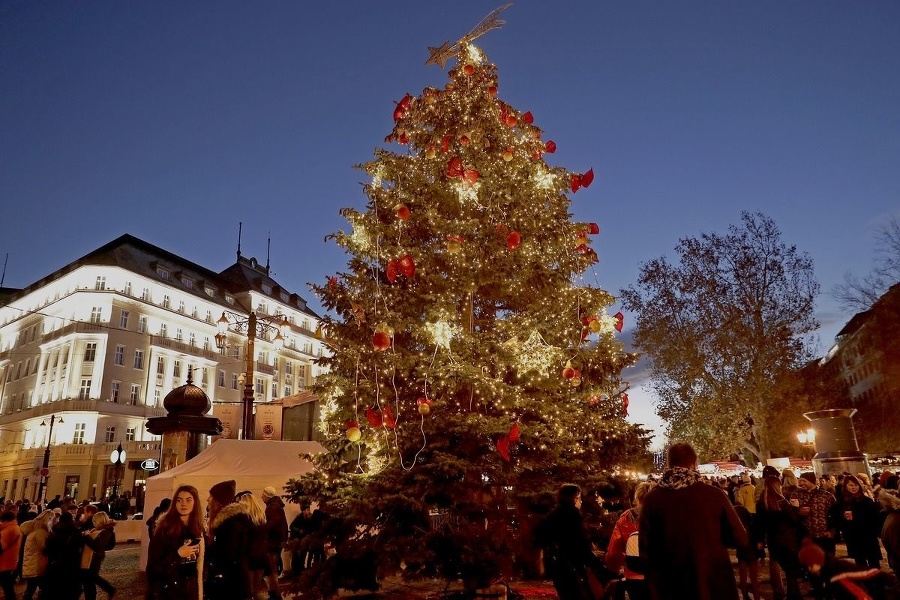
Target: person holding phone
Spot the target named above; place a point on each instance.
(176, 552)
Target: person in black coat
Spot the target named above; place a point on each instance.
(568, 555)
(64, 546)
(684, 531)
(176, 553)
(782, 527)
(276, 536)
(231, 538)
(856, 515)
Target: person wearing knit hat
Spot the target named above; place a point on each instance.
(223, 492)
(815, 512)
(276, 537)
(841, 578)
(809, 476)
(230, 556)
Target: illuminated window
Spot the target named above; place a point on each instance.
(114, 391)
(84, 392)
(135, 393)
(142, 324)
(129, 434)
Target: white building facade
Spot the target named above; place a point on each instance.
(93, 349)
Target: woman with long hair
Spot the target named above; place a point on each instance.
(856, 515)
(97, 541)
(176, 551)
(258, 559)
(782, 528)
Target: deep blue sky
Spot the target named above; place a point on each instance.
(173, 121)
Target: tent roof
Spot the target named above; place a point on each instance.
(237, 459)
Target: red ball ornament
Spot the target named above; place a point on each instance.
(568, 372)
(513, 240)
(403, 212)
(468, 69)
(381, 341)
(550, 147)
(511, 120)
(492, 90)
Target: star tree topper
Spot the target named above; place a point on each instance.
(441, 54)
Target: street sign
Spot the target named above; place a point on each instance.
(44, 471)
(150, 464)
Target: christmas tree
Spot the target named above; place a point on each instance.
(473, 371)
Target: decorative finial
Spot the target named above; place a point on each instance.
(190, 380)
(444, 52)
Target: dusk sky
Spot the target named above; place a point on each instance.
(175, 121)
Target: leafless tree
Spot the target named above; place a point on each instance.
(857, 293)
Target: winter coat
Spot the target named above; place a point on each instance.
(175, 578)
(96, 541)
(684, 529)
(746, 497)
(782, 529)
(615, 553)
(10, 544)
(890, 531)
(568, 554)
(276, 524)
(34, 560)
(64, 546)
(861, 532)
(229, 557)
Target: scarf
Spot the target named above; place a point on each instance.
(678, 478)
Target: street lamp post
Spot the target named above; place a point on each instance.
(117, 458)
(255, 326)
(45, 466)
(807, 439)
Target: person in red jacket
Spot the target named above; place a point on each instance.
(10, 543)
(617, 556)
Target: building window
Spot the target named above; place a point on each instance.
(128, 288)
(179, 335)
(229, 298)
(157, 398)
(209, 316)
(163, 330)
(90, 352)
(221, 380)
(100, 284)
(167, 302)
(129, 434)
(163, 273)
(96, 314)
(84, 392)
(188, 283)
(110, 433)
(119, 357)
(114, 392)
(195, 312)
(138, 359)
(176, 369)
(260, 386)
(181, 306)
(192, 339)
(206, 343)
(142, 324)
(235, 352)
(145, 295)
(78, 438)
(123, 319)
(287, 390)
(209, 291)
(288, 367)
(135, 393)
(160, 365)
(234, 381)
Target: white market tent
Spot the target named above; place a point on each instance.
(253, 464)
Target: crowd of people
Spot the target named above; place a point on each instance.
(677, 539)
(57, 551)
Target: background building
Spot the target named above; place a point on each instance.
(91, 350)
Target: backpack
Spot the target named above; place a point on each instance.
(632, 554)
(112, 542)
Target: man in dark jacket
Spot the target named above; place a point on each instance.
(276, 536)
(228, 555)
(684, 529)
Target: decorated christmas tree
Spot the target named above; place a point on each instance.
(473, 370)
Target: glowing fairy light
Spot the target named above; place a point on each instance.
(442, 333)
(467, 192)
(360, 236)
(473, 54)
(377, 176)
(544, 179)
